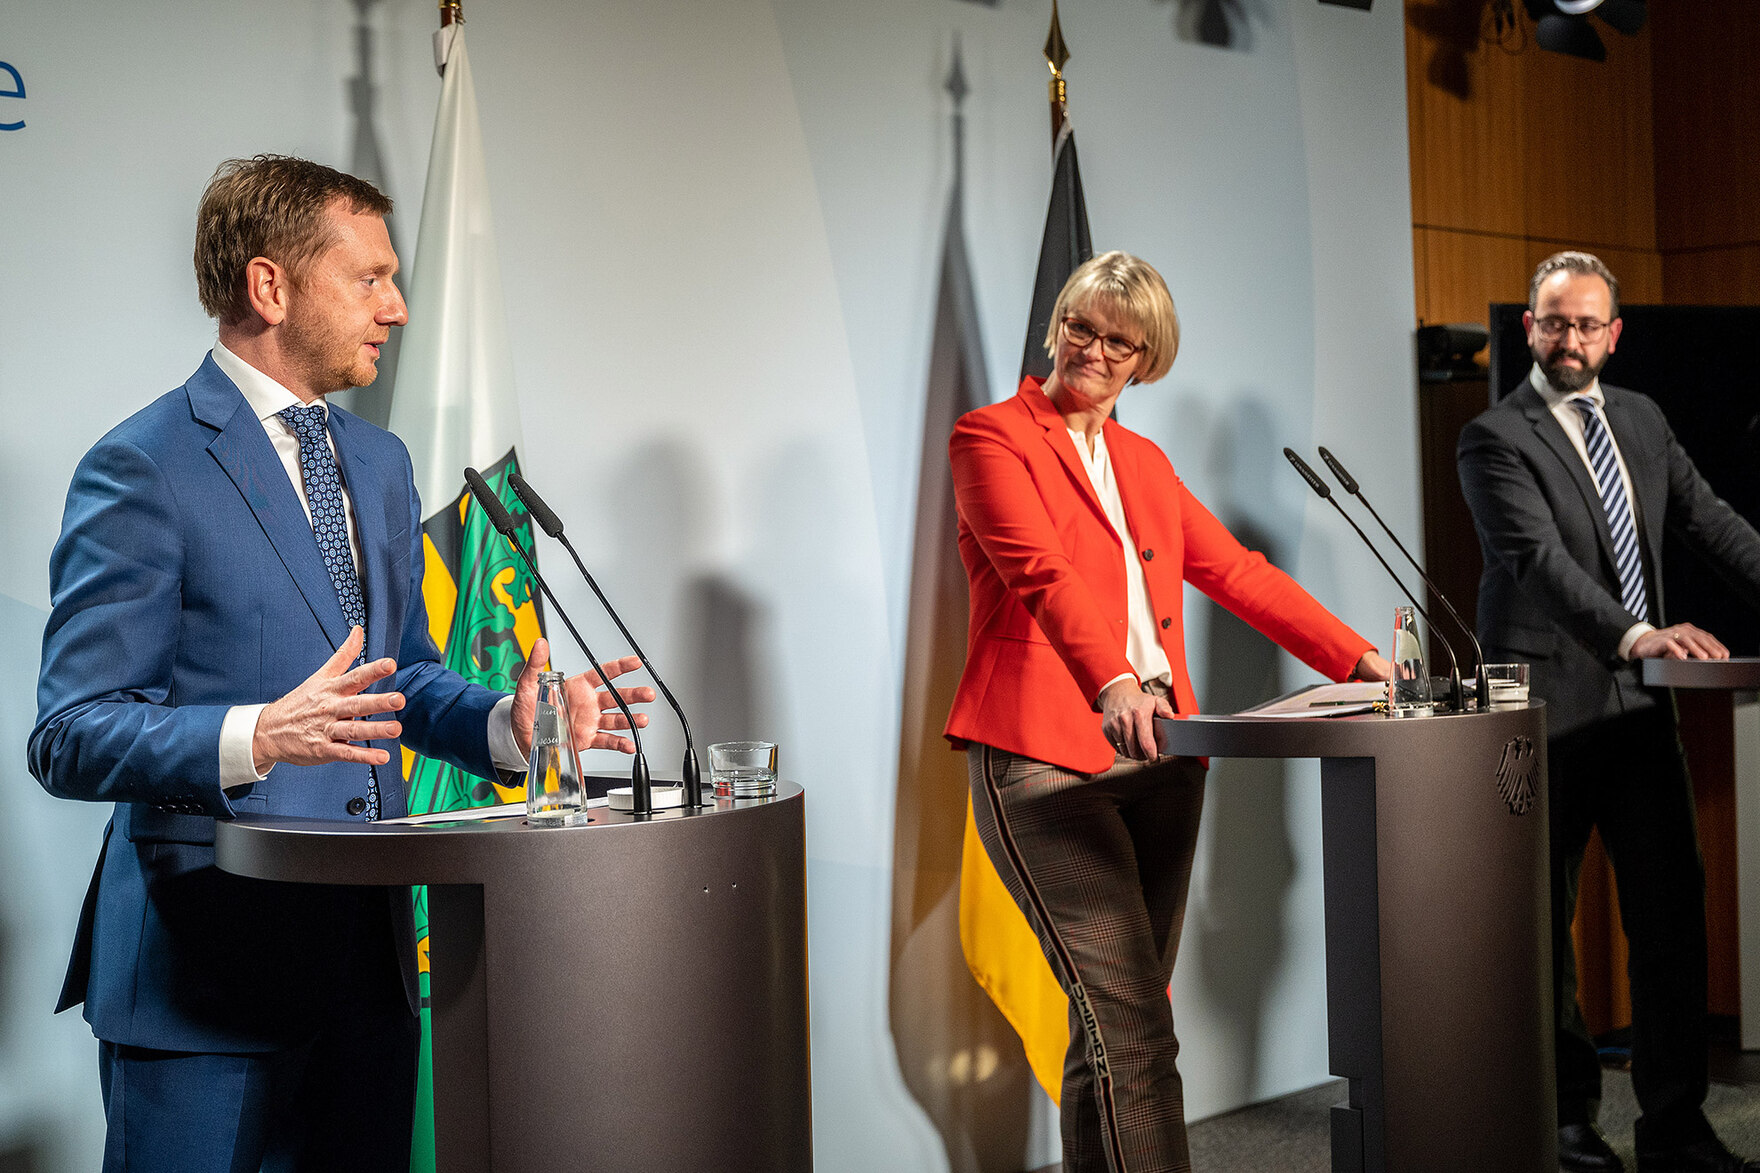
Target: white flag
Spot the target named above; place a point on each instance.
(455, 404)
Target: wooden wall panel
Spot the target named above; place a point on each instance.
(1585, 135)
(1421, 275)
(1515, 156)
(1720, 276)
(1600, 940)
(1459, 274)
(1463, 104)
(1639, 271)
(1707, 119)
(1464, 272)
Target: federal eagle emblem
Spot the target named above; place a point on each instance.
(1516, 784)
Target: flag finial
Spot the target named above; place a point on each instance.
(451, 12)
(1056, 54)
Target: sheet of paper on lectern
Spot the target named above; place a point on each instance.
(480, 814)
(1323, 700)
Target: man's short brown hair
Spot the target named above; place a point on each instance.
(1581, 264)
(268, 206)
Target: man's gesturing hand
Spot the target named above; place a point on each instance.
(592, 715)
(317, 721)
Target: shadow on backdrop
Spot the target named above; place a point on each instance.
(1251, 862)
(366, 160)
(708, 644)
(49, 1115)
(958, 1056)
(1456, 28)
(20, 1158)
(722, 622)
(1225, 24)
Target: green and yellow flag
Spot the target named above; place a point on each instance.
(455, 407)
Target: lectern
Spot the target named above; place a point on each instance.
(1438, 939)
(628, 995)
(1737, 674)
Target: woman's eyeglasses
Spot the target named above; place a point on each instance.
(1080, 335)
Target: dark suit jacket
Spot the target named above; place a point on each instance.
(1550, 592)
(187, 580)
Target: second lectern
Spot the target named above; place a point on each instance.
(1438, 941)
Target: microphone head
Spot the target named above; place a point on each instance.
(1308, 474)
(541, 513)
(490, 504)
(1345, 480)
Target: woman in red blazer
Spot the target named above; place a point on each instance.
(1077, 537)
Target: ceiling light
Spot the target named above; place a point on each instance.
(1562, 26)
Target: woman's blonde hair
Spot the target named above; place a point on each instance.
(1130, 289)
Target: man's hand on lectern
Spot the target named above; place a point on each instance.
(1683, 641)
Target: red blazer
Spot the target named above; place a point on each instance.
(1047, 580)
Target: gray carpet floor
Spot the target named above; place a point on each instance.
(1290, 1135)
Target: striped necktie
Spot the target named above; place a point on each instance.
(330, 526)
(1626, 554)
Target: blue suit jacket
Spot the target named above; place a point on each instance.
(187, 580)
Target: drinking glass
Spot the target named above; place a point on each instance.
(1509, 683)
(743, 769)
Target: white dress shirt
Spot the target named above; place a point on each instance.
(1562, 404)
(238, 729)
(1142, 644)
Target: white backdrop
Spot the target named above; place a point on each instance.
(719, 228)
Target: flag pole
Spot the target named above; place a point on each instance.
(451, 12)
(1056, 55)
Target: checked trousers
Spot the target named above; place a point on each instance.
(1101, 864)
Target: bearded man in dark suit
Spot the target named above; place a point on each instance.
(1572, 485)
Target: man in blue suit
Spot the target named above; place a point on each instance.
(237, 628)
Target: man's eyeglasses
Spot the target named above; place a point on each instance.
(1080, 334)
(1552, 329)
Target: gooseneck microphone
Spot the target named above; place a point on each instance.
(1481, 682)
(1325, 493)
(641, 797)
(552, 525)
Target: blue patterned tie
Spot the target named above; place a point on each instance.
(1618, 507)
(330, 527)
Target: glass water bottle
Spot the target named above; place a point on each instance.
(554, 796)
(1408, 689)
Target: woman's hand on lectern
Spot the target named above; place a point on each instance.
(1373, 666)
